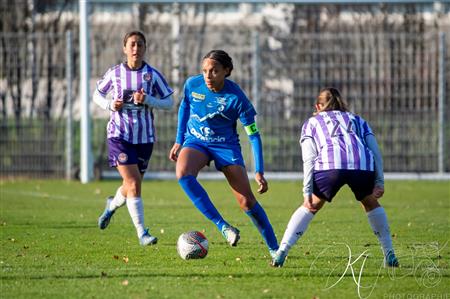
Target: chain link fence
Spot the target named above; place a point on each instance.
(397, 80)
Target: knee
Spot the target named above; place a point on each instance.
(246, 202)
(313, 208)
(370, 204)
(183, 172)
(132, 186)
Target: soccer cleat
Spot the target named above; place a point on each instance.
(147, 239)
(390, 260)
(231, 234)
(273, 253)
(104, 218)
(279, 258)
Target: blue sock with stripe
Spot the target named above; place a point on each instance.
(201, 200)
(260, 220)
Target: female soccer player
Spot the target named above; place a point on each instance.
(206, 132)
(136, 89)
(338, 148)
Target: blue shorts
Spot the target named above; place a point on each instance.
(327, 183)
(121, 152)
(222, 154)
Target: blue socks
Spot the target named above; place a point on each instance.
(201, 200)
(260, 220)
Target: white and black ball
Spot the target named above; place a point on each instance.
(192, 245)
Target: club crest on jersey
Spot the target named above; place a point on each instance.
(147, 76)
(221, 100)
(122, 157)
(198, 96)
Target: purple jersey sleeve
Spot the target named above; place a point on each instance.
(160, 88)
(104, 85)
(307, 131)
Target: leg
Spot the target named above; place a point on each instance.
(132, 180)
(112, 204)
(362, 184)
(189, 163)
(120, 197)
(299, 222)
(238, 180)
(118, 200)
(379, 224)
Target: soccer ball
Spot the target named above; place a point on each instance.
(192, 245)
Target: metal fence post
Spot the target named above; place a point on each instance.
(441, 104)
(69, 122)
(256, 77)
(86, 162)
(175, 53)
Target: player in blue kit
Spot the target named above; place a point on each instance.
(207, 121)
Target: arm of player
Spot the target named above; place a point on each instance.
(183, 117)
(102, 101)
(154, 102)
(372, 144)
(309, 153)
(256, 143)
(255, 140)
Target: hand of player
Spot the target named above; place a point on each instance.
(378, 191)
(139, 97)
(308, 202)
(116, 105)
(263, 186)
(173, 154)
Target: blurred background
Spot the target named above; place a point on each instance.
(389, 59)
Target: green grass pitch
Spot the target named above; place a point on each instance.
(51, 246)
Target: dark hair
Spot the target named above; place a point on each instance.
(331, 99)
(131, 33)
(222, 57)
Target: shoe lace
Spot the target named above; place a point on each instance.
(145, 234)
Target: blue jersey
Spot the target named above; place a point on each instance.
(212, 116)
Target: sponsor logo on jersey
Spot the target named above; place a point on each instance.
(207, 138)
(206, 131)
(147, 76)
(221, 100)
(209, 116)
(122, 157)
(197, 96)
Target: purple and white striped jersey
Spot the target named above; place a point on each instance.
(340, 140)
(133, 123)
